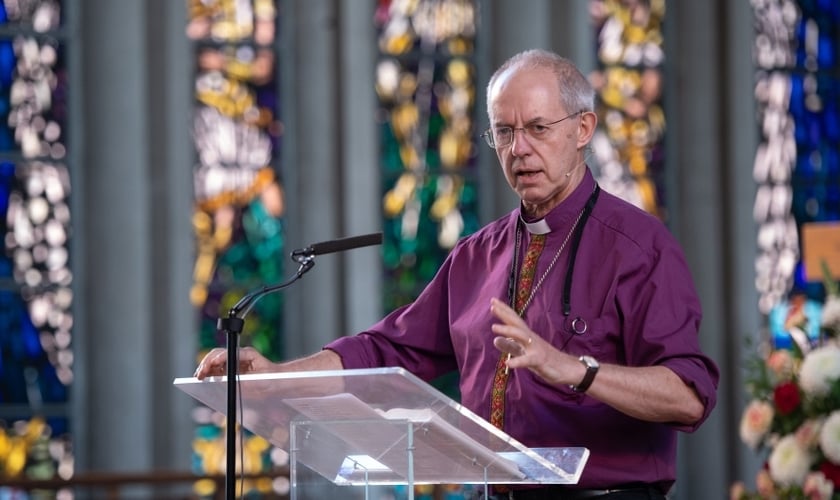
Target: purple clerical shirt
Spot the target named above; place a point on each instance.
(632, 288)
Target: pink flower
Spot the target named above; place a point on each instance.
(780, 363)
(737, 491)
(796, 313)
(817, 487)
(808, 434)
(755, 422)
(764, 484)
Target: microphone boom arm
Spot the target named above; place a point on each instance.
(232, 326)
(244, 305)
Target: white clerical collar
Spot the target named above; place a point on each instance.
(536, 227)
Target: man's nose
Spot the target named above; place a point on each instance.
(519, 143)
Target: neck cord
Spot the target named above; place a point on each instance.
(576, 230)
(567, 289)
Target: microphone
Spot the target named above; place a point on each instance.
(571, 170)
(586, 156)
(338, 245)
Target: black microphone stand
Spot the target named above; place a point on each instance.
(232, 326)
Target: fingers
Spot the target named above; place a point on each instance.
(514, 337)
(512, 326)
(213, 364)
(509, 346)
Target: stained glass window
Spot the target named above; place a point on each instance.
(628, 146)
(796, 167)
(425, 83)
(238, 218)
(426, 88)
(36, 296)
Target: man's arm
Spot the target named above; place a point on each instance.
(251, 361)
(653, 393)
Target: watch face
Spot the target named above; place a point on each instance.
(589, 361)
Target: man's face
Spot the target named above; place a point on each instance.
(536, 162)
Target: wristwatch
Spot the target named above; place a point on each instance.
(592, 366)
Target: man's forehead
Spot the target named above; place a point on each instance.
(536, 95)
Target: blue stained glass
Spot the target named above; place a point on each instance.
(797, 95)
(824, 17)
(24, 366)
(7, 173)
(266, 98)
(831, 161)
(60, 426)
(814, 105)
(41, 15)
(7, 63)
(12, 383)
(825, 52)
(29, 337)
(7, 66)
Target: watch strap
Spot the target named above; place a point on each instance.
(588, 377)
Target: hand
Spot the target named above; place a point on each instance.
(215, 363)
(528, 350)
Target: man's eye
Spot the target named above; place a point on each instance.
(537, 129)
(503, 132)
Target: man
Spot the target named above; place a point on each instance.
(572, 321)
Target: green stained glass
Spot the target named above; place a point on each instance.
(425, 82)
(426, 86)
(238, 221)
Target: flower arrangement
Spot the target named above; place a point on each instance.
(794, 410)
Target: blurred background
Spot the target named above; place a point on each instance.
(160, 158)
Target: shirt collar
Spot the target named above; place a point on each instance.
(536, 227)
(564, 213)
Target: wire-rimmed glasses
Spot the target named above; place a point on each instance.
(501, 137)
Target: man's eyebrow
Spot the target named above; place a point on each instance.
(533, 121)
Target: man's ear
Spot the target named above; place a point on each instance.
(586, 128)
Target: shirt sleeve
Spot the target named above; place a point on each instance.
(665, 315)
(415, 336)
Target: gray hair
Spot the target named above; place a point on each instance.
(576, 93)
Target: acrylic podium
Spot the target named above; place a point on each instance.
(382, 426)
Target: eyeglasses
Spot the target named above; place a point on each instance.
(501, 137)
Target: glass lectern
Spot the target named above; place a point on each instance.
(382, 426)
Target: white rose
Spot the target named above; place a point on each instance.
(789, 463)
(820, 368)
(830, 437)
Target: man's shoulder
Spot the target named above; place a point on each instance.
(630, 222)
(490, 232)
